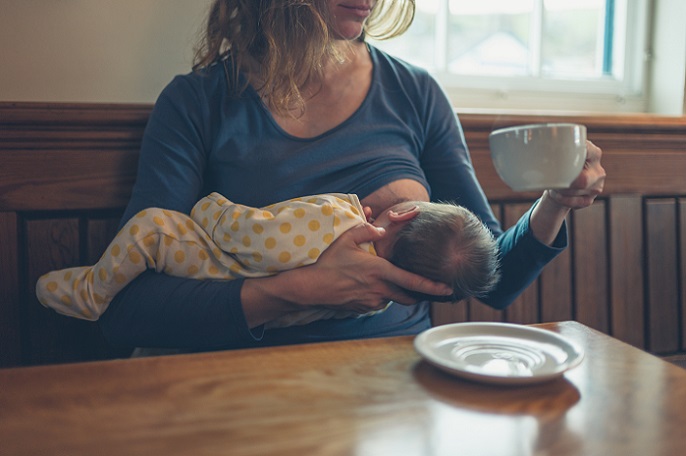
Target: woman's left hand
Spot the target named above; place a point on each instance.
(549, 214)
(587, 186)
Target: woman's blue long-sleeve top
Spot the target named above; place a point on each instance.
(200, 139)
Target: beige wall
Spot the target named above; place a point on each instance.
(95, 50)
(126, 51)
(667, 86)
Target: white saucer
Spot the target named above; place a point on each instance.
(501, 353)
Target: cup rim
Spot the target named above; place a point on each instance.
(535, 126)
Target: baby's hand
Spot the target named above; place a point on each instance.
(368, 214)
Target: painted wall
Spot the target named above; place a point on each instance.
(126, 51)
(118, 51)
(667, 86)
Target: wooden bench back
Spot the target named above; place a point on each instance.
(66, 173)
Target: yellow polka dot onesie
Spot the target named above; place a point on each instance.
(220, 240)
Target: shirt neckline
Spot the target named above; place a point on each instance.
(270, 118)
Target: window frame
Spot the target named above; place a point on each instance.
(476, 92)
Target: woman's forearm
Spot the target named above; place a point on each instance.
(547, 219)
(157, 310)
(268, 298)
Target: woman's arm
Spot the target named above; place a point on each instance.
(538, 236)
(549, 215)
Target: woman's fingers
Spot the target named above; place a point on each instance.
(588, 185)
(361, 282)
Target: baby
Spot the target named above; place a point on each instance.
(222, 240)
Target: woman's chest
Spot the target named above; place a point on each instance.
(259, 166)
(395, 192)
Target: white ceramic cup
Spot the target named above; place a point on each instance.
(539, 156)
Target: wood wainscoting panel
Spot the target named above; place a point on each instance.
(100, 233)
(10, 319)
(59, 243)
(662, 281)
(642, 153)
(478, 311)
(60, 156)
(449, 312)
(626, 271)
(590, 267)
(66, 179)
(682, 269)
(66, 172)
(556, 288)
(50, 244)
(525, 308)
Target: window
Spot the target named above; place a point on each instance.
(532, 54)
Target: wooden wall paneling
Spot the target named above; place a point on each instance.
(448, 312)
(591, 266)
(54, 338)
(662, 282)
(682, 269)
(50, 244)
(477, 310)
(46, 179)
(59, 156)
(525, 309)
(10, 317)
(82, 157)
(623, 138)
(627, 289)
(99, 233)
(556, 287)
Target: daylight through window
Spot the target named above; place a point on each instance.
(511, 49)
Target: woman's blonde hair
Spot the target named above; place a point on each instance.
(282, 44)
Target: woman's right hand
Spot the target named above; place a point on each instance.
(345, 277)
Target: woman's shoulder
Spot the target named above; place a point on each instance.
(405, 82)
(389, 64)
(203, 94)
(201, 84)
(393, 71)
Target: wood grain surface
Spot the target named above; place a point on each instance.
(365, 397)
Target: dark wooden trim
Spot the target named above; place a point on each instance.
(487, 121)
(64, 179)
(21, 114)
(68, 156)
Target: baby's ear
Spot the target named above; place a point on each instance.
(403, 215)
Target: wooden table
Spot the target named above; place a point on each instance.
(366, 397)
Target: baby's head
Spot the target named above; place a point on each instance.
(443, 242)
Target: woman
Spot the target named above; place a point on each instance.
(287, 99)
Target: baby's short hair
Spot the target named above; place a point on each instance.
(448, 243)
